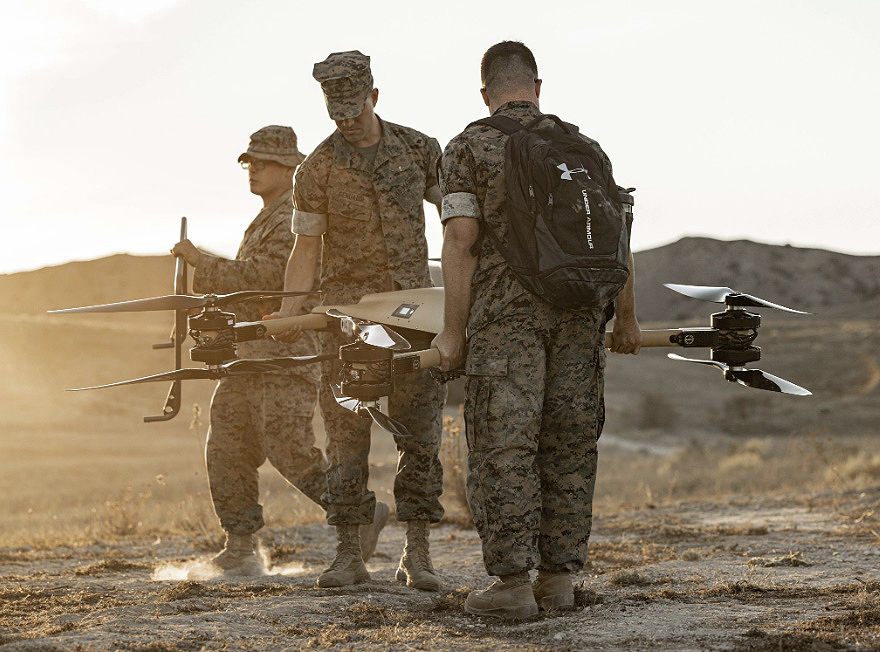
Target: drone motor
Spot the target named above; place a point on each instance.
(366, 371)
(737, 329)
(212, 331)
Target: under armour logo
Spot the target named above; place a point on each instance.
(566, 173)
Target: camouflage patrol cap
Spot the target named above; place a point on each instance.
(346, 81)
(274, 143)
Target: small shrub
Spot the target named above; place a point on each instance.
(453, 457)
(630, 578)
(122, 517)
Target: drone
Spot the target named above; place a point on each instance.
(381, 326)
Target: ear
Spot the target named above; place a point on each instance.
(374, 95)
(288, 172)
(485, 96)
(538, 87)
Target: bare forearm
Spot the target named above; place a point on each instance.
(299, 275)
(625, 304)
(627, 337)
(458, 271)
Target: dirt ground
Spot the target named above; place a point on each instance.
(725, 519)
(792, 572)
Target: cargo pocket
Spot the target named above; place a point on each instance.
(484, 373)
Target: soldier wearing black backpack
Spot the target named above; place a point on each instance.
(535, 257)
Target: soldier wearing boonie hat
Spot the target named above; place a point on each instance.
(358, 209)
(262, 416)
(273, 143)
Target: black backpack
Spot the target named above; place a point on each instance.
(568, 232)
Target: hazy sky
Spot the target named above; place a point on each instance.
(755, 119)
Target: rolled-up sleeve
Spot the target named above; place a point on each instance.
(305, 223)
(459, 204)
(458, 182)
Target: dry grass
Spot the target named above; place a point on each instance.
(758, 466)
(160, 488)
(453, 457)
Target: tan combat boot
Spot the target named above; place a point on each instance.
(238, 557)
(415, 568)
(370, 532)
(509, 597)
(553, 590)
(348, 567)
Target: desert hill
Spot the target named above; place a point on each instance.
(815, 280)
(104, 280)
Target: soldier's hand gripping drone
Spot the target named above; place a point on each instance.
(380, 355)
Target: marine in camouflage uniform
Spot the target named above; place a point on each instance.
(534, 390)
(358, 204)
(269, 415)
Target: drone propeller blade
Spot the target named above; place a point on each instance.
(762, 380)
(244, 295)
(702, 292)
(169, 302)
(758, 301)
(384, 421)
(754, 378)
(372, 333)
(177, 374)
(712, 363)
(370, 412)
(349, 403)
(177, 302)
(383, 337)
(233, 368)
(720, 294)
(263, 365)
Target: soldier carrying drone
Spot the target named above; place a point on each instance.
(256, 417)
(358, 208)
(359, 211)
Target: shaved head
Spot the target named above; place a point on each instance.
(508, 67)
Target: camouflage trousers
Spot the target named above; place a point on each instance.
(533, 414)
(417, 402)
(255, 418)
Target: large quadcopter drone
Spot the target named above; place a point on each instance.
(381, 354)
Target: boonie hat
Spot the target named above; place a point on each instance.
(274, 143)
(346, 80)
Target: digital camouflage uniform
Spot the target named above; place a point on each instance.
(260, 416)
(372, 221)
(534, 390)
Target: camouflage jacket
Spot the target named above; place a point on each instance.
(259, 265)
(371, 216)
(473, 184)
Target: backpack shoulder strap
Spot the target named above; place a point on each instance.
(506, 126)
(500, 122)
